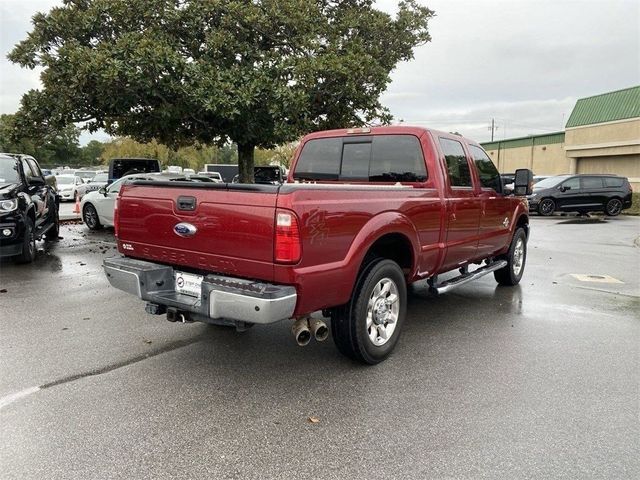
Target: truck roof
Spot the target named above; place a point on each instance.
(384, 130)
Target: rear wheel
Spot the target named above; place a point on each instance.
(28, 254)
(613, 207)
(90, 217)
(368, 327)
(546, 207)
(516, 258)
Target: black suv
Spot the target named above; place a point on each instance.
(581, 193)
(28, 207)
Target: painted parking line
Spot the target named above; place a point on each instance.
(12, 397)
(585, 277)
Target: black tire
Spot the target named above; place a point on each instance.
(511, 274)
(90, 217)
(54, 232)
(28, 254)
(349, 322)
(613, 207)
(546, 207)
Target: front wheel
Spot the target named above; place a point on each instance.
(516, 258)
(28, 254)
(614, 207)
(368, 327)
(90, 217)
(547, 207)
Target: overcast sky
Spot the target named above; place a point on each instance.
(522, 62)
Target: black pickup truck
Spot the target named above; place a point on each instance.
(28, 207)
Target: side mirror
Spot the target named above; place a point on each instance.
(564, 188)
(39, 181)
(523, 183)
(103, 191)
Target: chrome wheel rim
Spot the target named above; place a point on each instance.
(518, 257)
(32, 243)
(614, 207)
(382, 312)
(90, 217)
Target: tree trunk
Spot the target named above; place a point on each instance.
(245, 162)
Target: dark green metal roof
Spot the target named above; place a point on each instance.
(531, 140)
(606, 107)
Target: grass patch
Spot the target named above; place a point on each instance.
(635, 205)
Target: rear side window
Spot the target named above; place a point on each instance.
(489, 176)
(613, 182)
(397, 158)
(457, 165)
(591, 182)
(378, 158)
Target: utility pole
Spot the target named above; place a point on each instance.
(493, 127)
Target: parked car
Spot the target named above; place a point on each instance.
(97, 182)
(584, 193)
(97, 206)
(86, 175)
(227, 171)
(215, 176)
(268, 175)
(70, 187)
(364, 213)
(120, 167)
(28, 207)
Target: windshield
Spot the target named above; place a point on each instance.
(65, 180)
(9, 170)
(101, 177)
(548, 182)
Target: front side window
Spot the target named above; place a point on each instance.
(457, 165)
(34, 167)
(27, 169)
(571, 184)
(487, 171)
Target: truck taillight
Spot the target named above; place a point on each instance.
(288, 246)
(115, 216)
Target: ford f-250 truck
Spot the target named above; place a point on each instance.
(364, 213)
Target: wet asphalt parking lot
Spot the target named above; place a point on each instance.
(537, 381)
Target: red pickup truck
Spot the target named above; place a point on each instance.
(364, 213)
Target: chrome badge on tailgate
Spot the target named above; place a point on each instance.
(185, 229)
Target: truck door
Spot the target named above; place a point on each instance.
(463, 205)
(495, 216)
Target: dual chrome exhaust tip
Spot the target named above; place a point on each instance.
(304, 329)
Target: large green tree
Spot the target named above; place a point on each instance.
(259, 73)
(57, 146)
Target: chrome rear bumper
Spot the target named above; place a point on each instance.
(221, 297)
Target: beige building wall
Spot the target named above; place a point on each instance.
(612, 147)
(624, 165)
(548, 159)
(620, 131)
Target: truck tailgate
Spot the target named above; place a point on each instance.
(229, 230)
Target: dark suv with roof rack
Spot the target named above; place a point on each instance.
(581, 193)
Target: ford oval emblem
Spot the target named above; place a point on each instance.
(185, 230)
